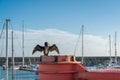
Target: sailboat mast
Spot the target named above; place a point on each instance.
(23, 42)
(115, 48)
(12, 58)
(7, 21)
(82, 43)
(110, 47)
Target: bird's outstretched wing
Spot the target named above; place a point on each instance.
(54, 48)
(38, 48)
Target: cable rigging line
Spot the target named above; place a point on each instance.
(11, 26)
(77, 41)
(17, 38)
(2, 30)
(2, 40)
(17, 42)
(2, 43)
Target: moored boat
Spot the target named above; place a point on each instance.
(16, 66)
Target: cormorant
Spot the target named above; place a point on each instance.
(46, 48)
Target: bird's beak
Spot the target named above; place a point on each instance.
(33, 52)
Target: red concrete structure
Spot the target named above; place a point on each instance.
(67, 68)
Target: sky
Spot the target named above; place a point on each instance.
(59, 22)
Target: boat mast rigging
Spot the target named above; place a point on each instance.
(82, 51)
(7, 23)
(2, 40)
(115, 48)
(82, 61)
(23, 43)
(12, 58)
(110, 48)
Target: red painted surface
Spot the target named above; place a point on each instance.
(99, 75)
(66, 68)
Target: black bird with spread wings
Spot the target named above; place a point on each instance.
(46, 48)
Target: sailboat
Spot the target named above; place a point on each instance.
(25, 67)
(23, 60)
(12, 65)
(113, 63)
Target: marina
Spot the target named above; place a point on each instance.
(60, 40)
(18, 75)
(26, 74)
(15, 70)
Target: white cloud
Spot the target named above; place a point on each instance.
(93, 45)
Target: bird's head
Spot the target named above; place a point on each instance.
(46, 44)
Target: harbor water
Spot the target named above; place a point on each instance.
(18, 75)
